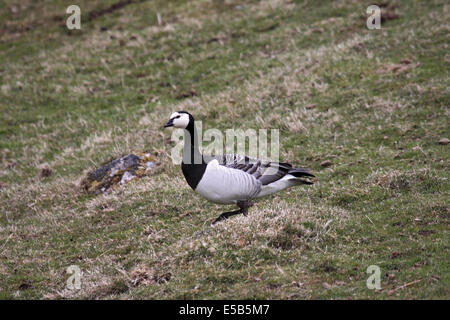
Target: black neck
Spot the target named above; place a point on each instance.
(191, 153)
(193, 165)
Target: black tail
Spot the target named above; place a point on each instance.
(301, 172)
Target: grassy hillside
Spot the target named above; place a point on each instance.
(374, 103)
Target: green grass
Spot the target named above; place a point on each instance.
(71, 100)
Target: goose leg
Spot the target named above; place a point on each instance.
(243, 208)
(244, 205)
(226, 215)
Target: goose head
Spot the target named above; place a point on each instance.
(180, 119)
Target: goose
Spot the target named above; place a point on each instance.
(230, 178)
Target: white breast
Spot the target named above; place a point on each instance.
(227, 185)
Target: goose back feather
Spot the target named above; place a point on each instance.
(265, 171)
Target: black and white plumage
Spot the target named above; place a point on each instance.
(232, 179)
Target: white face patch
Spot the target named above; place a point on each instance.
(180, 120)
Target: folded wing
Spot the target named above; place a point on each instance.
(265, 171)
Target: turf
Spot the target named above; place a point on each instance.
(373, 103)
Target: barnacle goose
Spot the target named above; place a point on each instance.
(231, 179)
